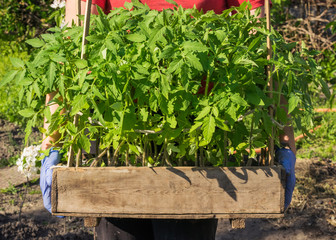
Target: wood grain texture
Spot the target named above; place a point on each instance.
(181, 192)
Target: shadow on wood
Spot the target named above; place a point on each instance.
(176, 193)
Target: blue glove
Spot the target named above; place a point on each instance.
(46, 176)
(287, 159)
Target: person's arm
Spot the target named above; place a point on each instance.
(287, 139)
(48, 141)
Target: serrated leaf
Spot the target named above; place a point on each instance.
(168, 52)
(293, 103)
(172, 2)
(144, 114)
(245, 61)
(128, 5)
(9, 76)
(172, 148)
(97, 93)
(194, 46)
(72, 128)
(205, 111)
(20, 76)
(258, 144)
(254, 44)
(81, 63)
(135, 37)
(195, 126)
(51, 74)
(36, 43)
(84, 143)
(175, 65)
(28, 112)
(236, 98)
(58, 58)
(194, 62)
(118, 106)
(221, 124)
(209, 127)
(48, 37)
(16, 62)
(134, 149)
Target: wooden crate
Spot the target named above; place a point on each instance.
(166, 192)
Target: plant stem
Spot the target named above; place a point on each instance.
(116, 152)
(201, 157)
(207, 83)
(166, 153)
(226, 156)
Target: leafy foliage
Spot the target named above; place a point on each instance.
(322, 142)
(9, 104)
(140, 89)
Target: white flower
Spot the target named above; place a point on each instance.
(27, 162)
(58, 4)
(63, 24)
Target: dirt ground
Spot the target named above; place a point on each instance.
(312, 214)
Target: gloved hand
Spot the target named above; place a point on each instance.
(46, 176)
(287, 159)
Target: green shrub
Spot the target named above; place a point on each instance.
(140, 88)
(9, 94)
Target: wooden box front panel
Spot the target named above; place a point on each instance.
(163, 192)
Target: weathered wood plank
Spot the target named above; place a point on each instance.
(181, 192)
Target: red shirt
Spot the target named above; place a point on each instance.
(217, 5)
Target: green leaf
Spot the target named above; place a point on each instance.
(254, 44)
(267, 123)
(84, 143)
(20, 77)
(258, 144)
(325, 88)
(134, 149)
(208, 128)
(72, 128)
(195, 126)
(194, 62)
(9, 76)
(81, 63)
(18, 63)
(144, 114)
(205, 111)
(51, 74)
(118, 106)
(221, 124)
(136, 37)
(175, 65)
(194, 46)
(245, 61)
(168, 52)
(236, 98)
(293, 102)
(172, 2)
(48, 37)
(128, 5)
(28, 112)
(36, 43)
(172, 148)
(77, 104)
(97, 93)
(58, 58)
